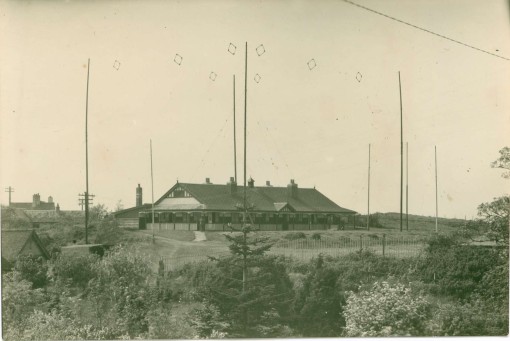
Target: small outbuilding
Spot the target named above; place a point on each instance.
(20, 242)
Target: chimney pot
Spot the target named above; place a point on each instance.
(139, 196)
(292, 189)
(232, 185)
(36, 200)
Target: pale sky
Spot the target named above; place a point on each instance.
(313, 126)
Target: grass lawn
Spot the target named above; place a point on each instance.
(179, 247)
(183, 236)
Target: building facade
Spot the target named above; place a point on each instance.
(217, 207)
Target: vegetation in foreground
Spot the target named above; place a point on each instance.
(453, 289)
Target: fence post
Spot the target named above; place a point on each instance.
(360, 243)
(383, 244)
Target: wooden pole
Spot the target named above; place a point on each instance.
(235, 150)
(87, 157)
(407, 186)
(368, 198)
(152, 193)
(245, 114)
(245, 263)
(401, 152)
(435, 162)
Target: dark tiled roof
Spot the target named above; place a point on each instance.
(28, 205)
(42, 216)
(73, 214)
(10, 213)
(218, 197)
(13, 242)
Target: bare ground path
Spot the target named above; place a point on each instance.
(199, 236)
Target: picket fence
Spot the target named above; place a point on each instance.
(306, 249)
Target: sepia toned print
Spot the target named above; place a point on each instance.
(226, 169)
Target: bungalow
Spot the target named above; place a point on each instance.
(215, 207)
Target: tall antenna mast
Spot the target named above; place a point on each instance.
(152, 193)
(87, 157)
(407, 186)
(401, 152)
(435, 162)
(235, 151)
(368, 205)
(245, 115)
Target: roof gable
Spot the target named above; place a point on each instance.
(283, 207)
(14, 241)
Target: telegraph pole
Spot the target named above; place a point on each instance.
(87, 158)
(81, 201)
(10, 190)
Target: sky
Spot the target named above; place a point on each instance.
(311, 124)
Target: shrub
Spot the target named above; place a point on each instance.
(319, 302)
(316, 236)
(475, 318)
(18, 299)
(33, 269)
(55, 326)
(295, 235)
(78, 269)
(457, 269)
(386, 310)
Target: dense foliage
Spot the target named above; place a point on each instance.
(386, 310)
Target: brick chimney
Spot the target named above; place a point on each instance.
(36, 200)
(139, 196)
(251, 183)
(292, 189)
(268, 183)
(208, 181)
(50, 200)
(232, 185)
(57, 209)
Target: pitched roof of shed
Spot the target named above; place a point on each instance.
(13, 242)
(218, 197)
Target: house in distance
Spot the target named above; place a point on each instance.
(215, 207)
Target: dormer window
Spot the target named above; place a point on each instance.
(179, 193)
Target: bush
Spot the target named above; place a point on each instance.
(78, 269)
(319, 302)
(475, 318)
(316, 236)
(457, 269)
(33, 269)
(18, 300)
(386, 310)
(295, 235)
